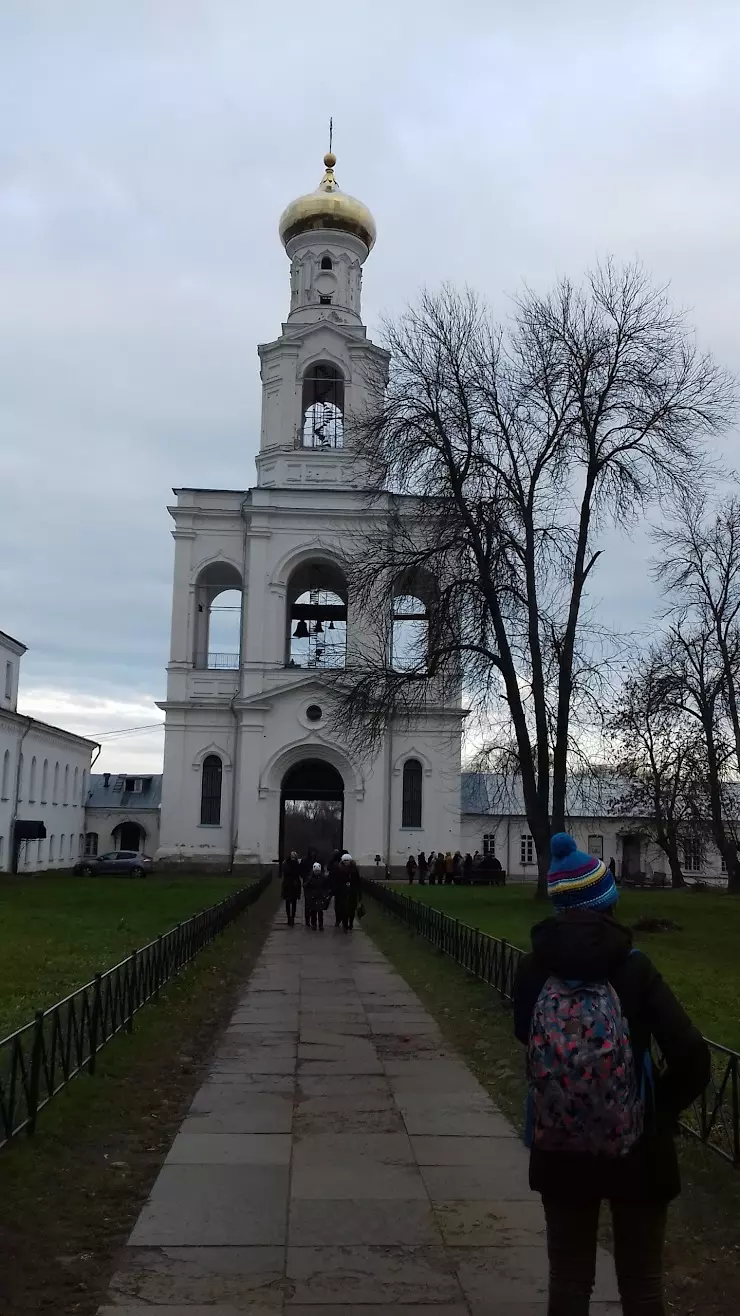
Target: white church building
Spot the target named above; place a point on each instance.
(252, 766)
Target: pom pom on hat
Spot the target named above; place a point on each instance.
(317, 868)
(562, 844)
(576, 880)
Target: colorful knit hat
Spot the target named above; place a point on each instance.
(576, 880)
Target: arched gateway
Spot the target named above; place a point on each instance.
(311, 809)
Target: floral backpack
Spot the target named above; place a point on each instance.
(581, 1069)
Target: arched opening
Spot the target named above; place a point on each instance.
(410, 611)
(322, 409)
(412, 794)
(91, 843)
(218, 617)
(210, 791)
(32, 782)
(311, 809)
(44, 781)
(5, 786)
(326, 263)
(127, 836)
(317, 617)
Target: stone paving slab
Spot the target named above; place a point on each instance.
(339, 1158)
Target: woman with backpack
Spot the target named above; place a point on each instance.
(600, 1124)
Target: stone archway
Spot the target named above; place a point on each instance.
(129, 836)
(311, 809)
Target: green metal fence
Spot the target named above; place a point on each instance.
(39, 1059)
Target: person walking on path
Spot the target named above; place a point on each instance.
(348, 891)
(335, 885)
(314, 892)
(411, 866)
(291, 888)
(600, 1125)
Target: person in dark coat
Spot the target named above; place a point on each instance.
(584, 943)
(291, 888)
(335, 884)
(411, 867)
(440, 868)
(423, 868)
(348, 891)
(314, 894)
(468, 869)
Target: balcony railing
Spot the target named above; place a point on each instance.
(220, 661)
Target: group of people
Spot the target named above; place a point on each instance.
(320, 884)
(447, 869)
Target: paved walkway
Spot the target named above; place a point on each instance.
(339, 1158)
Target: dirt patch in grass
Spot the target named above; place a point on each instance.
(69, 1198)
(703, 1251)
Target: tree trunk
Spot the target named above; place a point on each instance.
(677, 878)
(542, 846)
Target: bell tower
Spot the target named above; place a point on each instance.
(317, 374)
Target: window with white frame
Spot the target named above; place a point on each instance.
(8, 680)
(489, 843)
(526, 848)
(91, 843)
(596, 846)
(693, 859)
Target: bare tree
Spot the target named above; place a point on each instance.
(506, 454)
(696, 688)
(700, 567)
(657, 750)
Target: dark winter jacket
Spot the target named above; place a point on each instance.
(594, 947)
(347, 889)
(291, 888)
(315, 891)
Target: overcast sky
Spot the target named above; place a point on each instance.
(148, 148)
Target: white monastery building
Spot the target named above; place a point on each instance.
(249, 760)
(44, 774)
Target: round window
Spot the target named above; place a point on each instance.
(314, 713)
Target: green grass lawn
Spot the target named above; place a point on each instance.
(57, 931)
(701, 962)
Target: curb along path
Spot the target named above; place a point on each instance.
(340, 1158)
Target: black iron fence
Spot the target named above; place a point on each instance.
(38, 1060)
(713, 1120)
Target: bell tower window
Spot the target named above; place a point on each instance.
(323, 407)
(326, 263)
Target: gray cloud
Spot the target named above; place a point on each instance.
(150, 147)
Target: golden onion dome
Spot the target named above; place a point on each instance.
(327, 208)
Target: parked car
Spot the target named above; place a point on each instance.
(131, 862)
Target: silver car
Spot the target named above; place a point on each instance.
(130, 862)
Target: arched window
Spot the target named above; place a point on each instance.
(51, 848)
(322, 412)
(40, 859)
(412, 777)
(55, 796)
(410, 634)
(317, 617)
(76, 784)
(210, 791)
(91, 843)
(32, 781)
(6, 775)
(80, 845)
(66, 783)
(83, 789)
(44, 780)
(218, 617)
(2, 849)
(71, 846)
(20, 777)
(326, 263)
(61, 846)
